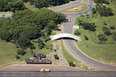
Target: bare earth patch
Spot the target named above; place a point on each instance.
(1, 49)
(79, 8)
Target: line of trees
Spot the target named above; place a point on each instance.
(102, 10)
(46, 3)
(87, 26)
(101, 1)
(11, 5)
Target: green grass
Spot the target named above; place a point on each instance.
(7, 52)
(57, 47)
(102, 52)
(71, 58)
(31, 7)
(5, 13)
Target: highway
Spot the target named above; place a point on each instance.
(59, 74)
(68, 28)
(71, 47)
(6, 16)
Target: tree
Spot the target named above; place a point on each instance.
(101, 1)
(21, 52)
(17, 57)
(86, 38)
(89, 26)
(93, 10)
(77, 32)
(107, 32)
(105, 29)
(25, 0)
(102, 37)
(27, 25)
(41, 3)
(32, 47)
(23, 42)
(104, 11)
(114, 36)
(11, 5)
(112, 27)
(60, 18)
(46, 3)
(40, 43)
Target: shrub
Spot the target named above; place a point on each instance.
(105, 29)
(77, 32)
(114, 36)
(102, 37)
(105, 23)
(72, 64)
(21, 52)
(112, 27)
(56, 57)
(76, 40)
(17, 57)
(86, 38)
(89, 26)
(93, 10)
(40, 44)
(107, 32)
(32, 47)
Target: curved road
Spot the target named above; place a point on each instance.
(69, 44)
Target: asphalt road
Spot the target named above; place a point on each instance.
(68, 28)
(6, 16)
(58, 74)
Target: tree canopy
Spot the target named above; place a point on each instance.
(11, 5)
(46, 3)
(101, 1)
(29, 24)
(104, 11)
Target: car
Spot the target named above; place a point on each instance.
(3, 15)
(45, 70)
(69, 20)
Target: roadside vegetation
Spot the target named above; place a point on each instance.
(98, 32)
(73, 62)
(47, 3)
(28, 31)
(68, 56)
(11, 5)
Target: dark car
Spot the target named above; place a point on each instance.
(3, 15)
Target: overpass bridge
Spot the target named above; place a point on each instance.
(65, 35)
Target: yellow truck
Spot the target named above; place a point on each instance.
(45, 70)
